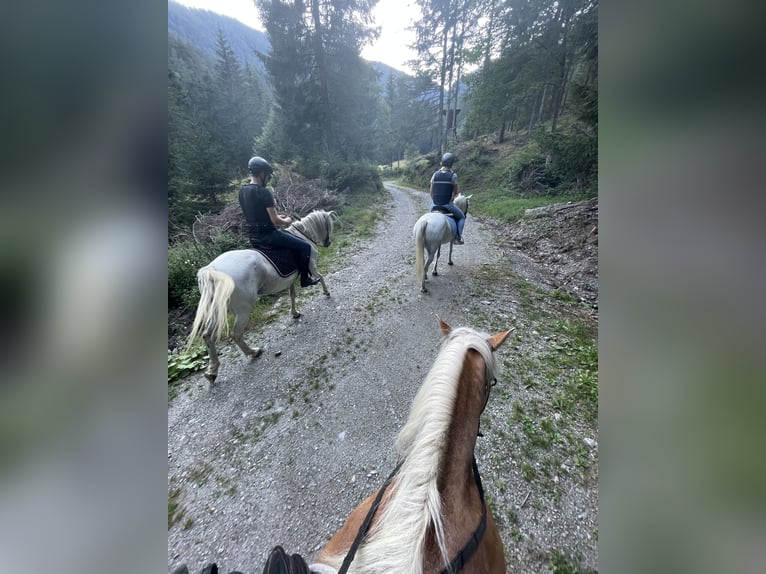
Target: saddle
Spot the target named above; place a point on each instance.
(281, 259)
(442, 209)
(280, 562)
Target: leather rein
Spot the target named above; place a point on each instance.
(460, 559)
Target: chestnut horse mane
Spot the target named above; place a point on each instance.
(398, 537)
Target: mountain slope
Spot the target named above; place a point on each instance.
(200, 28)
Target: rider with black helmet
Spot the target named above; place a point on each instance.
(263, 221)
(443, 191)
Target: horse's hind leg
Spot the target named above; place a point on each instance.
(449, 261)
(438, 254)
(241, 319)
(213, 363)
(425, 271)
(293, 308)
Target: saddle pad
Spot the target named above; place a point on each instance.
(281, 259)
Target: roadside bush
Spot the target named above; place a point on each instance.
(574, 157)
(186, 257)
(528, 171)
(418, 172)
(357, 177)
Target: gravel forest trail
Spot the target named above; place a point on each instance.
(283, 447)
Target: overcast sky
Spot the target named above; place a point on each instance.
(393, 16)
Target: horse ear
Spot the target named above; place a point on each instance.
(497, 339)
(445, 328)
(469, 196)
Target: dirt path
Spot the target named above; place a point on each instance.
(283, 447)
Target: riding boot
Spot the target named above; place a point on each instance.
(306, 279)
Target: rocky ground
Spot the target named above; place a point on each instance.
(281, 448)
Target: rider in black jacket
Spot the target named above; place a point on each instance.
(263, 221)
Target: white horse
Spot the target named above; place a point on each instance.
(431, 231)
(234, 280)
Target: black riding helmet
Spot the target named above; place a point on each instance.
(447, 159)
(258, 165)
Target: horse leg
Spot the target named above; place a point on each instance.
(425, 271)
(315, 273)
(241, 319)
(449, 261)
(438, 254)
(213, 363)
(293, 309)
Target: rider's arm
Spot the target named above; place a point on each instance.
(454, 192)
(277, 219)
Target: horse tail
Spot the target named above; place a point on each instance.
(420, 233)
(215, 289)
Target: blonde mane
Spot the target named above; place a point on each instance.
(397, 540)
(316, 225)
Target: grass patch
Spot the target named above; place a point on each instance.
(562, 563)
(574, 364)
(501, 205)
(175, 510)
(199, 476)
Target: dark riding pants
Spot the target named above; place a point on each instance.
(278, 239)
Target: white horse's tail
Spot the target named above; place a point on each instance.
(215, 289)
(420, 234)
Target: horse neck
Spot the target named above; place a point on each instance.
(448, 404)
(463, 429)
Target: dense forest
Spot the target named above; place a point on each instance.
(487, 70)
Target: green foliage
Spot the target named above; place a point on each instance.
(576, 351)
(574, 157)
(215, 108)
(562, 563)
(418, 172)
(326, 93)
(529, 171)
(175, 510)
(186, 257)
(352, 176)
(184, 363)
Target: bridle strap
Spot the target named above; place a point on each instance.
(458, 561)
(366, 524)
(472, 545)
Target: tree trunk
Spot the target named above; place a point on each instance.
(322, 67)
(532, 116)
(441, 84)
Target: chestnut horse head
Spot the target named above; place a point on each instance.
(432, 516)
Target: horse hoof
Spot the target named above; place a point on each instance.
(435, 274)
(211, 378)
(257, 352)
(297, 316)
(449, 263)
